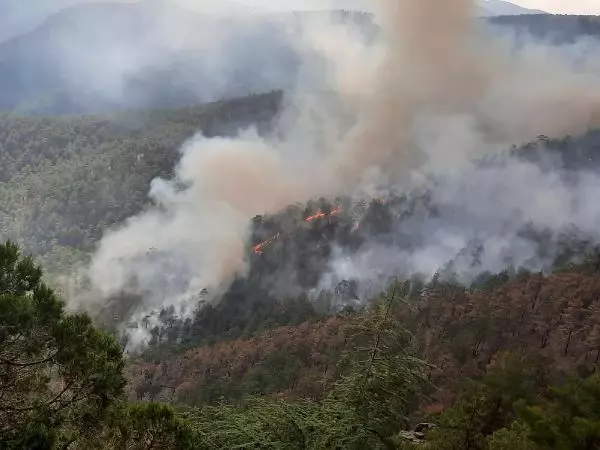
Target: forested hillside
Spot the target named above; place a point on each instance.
(462, 313)
(460, 330)
(504, 361)
(64, 180)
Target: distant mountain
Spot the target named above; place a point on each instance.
(552, 29)
(490, 8)
(485, 7)
(110, 56)
(18, 16)
(104, 56)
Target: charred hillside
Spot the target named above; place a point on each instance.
(460, 330)
(334, 255)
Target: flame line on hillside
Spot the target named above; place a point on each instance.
(258, 249)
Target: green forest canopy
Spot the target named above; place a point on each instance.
(471, 374)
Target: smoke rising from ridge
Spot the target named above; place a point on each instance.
(428, 95)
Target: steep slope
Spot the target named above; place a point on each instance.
(459, 329)
(65, 180)
(332, 255)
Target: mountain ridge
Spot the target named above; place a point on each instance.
(490, 8)
(134, 58)
(15, 19)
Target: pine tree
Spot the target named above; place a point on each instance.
(58, 373)
(382, 377)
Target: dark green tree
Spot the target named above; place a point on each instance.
(516, 437)
(568, 418)
(488, 405)
(258, 423)
(382, 377)
(58, 373)
(148, 426)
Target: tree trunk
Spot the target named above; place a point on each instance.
(568, 342)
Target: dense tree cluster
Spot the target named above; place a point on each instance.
(62, 379)
(460, 331)
(65, 180)
(299, 361)
(59, 375)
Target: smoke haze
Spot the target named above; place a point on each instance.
(427, 96)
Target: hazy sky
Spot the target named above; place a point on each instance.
(555, 6)
(563, 6)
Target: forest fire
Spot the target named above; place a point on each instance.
(258, 249)
(320, 214)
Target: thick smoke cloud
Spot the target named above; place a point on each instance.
(478, 218)
(426, 96)
(204, 225)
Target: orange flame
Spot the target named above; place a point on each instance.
(320, 214)
(258, 249)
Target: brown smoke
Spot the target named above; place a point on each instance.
(431, 66)
(427, 62)
(436, 63)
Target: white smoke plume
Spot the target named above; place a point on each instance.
(479, 223)
(429, 94)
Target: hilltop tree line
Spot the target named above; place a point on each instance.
(552, 28)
